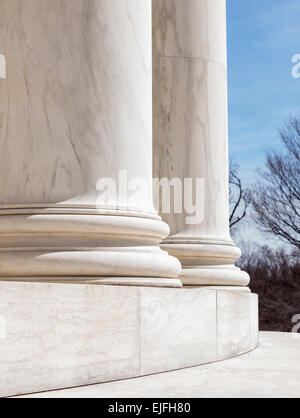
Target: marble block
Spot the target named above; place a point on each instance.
(66, 335)
(178, 329)
(55, 336)
(254, 323)
(234, 324)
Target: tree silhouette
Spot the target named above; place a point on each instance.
(276, 197)
(239, 196)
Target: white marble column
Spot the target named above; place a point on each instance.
(76, 107)
(191, 133)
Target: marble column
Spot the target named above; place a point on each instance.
(76, 119)
(191, 134)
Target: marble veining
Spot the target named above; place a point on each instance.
(190, 29)
(76, 108)
(190, 131)
(71, 109)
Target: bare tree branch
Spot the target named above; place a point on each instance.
(239, 197)
(276, 198)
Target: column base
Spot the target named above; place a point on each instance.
(214, 276)
(92, 248)
(207, 262)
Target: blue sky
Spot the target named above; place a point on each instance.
(263, 36)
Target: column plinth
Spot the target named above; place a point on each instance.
(76, 108)
(191, 133)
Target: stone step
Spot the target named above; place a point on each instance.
(271, 371)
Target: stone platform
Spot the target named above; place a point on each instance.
(55, 336)
(272, 371)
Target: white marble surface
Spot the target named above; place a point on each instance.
(254, 320)
(69, 335)
(271, 371)
(76, 105)
(187, 28)
(191, 133)
(234, 324)
(190, 138)
(178, 329)
(61, 335)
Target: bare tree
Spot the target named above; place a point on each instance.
(238, 195)
(276, 198)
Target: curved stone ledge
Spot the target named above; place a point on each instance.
(73, 335)
(214, 276)
(271, 371)
(84, 265)
(75, 230)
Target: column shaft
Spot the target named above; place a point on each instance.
(191, 133)
(76, 116)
